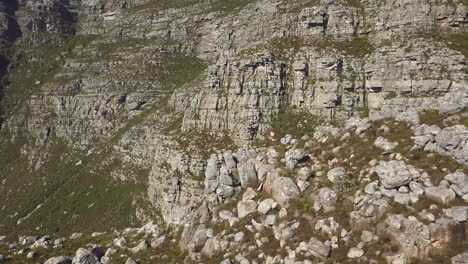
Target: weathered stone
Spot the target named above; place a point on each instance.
(335, 174)
(325, 199)
(461, 258)
(440, 193)
(318, 248)
(384, 144)
(245, 208)
(459, 213)
(284, 189)
(131, 261)
(84, 256)
(247, 174)
(393, 174)
(355, 253)
(59, 260)
(265, 206)
(459, 183)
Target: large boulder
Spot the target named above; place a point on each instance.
(318, 248)
(440, 193)
(459, 183)
(393, 174)
(325, 199)
(244, 208)
(460, 258)
(294, 156)
(458, 213)
(84, 256)
(284, 189)
(384, 144)
(247, 174)
(453, 141)
(59, 260)
(335, 174)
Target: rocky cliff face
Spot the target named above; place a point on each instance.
(167, 110)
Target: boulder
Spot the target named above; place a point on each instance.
(244, 208)
(284, 189)
(393, 174)
(319, 249)
(141, 246)
(355, 252)
(335, 174)
(384, 144)
(440, 193)
(59, 260)
(459, 183)
(294, 156)
(131, 261)
(460, 258)
(459, 213)
(325, 199)
(248, 175)
(84, 256)
(266, 205)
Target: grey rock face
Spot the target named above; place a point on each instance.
(393, 174)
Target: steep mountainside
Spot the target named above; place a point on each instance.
(348, 118)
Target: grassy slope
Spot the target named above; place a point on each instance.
(75, 198)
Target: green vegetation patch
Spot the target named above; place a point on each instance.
(357, 47)
(222, 6)
(202, 143)
(456, 41)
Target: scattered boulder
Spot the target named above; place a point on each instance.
(247, 174)
(84, 256)
(459, 183)
(244, 208)
(141, 246)
(335, 174)
(325, 199)
(440, 193)
(318, 248)
(355, 252)
(284, 189)
(458, 213)
(31, 255)
(266, 205)
(384, 144)
(131, 261)
(59, 260)
(294, 156)
(460, 258)
(393, 174)
(76, 235)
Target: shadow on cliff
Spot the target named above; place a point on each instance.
(13, 32)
